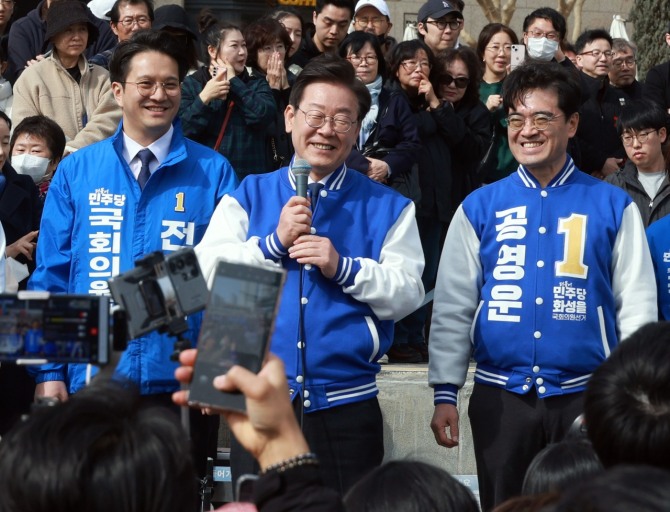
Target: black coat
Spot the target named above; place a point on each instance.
(20, 208)
(396, 128)
(657, 85)
(597, 134)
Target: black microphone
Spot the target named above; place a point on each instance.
(301, 170)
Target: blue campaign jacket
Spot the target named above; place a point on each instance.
(97, 223)
(658, 234)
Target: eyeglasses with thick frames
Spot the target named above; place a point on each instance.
(537, 34)
(364, 22)
(141, 21)
(516, 122)
(461, 82)
(597, 53)
(506, 48)
(316, 119)
(412, 65)
(443, 24)
(148, 88)
(356, 60)
(618, 63)
(627, 138)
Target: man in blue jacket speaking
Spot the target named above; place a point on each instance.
(144, 189)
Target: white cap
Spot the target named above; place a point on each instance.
(380, 5)
(101, 8)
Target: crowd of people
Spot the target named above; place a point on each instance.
(533, 201)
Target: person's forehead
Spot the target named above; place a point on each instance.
(538, 100)
(329, 96)
(30, 138)
(168, 66)
(133, 9)
(623, 52)
(335, 13)
(598, 43)
(542, 24)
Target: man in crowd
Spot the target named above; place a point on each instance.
(373, 16)
(354, 265)
(147, 188)
(544, 35)
(439, 23)
(126, 18)
(331, 21)
(602, 152)
(641, 126)
(542, 274)
(624, 68)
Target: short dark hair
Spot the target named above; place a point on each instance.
(588, 36)
(114, 15)
(44, 128)
(357, 40)
(620, 489)
(469, 58)
(100, 450)
(261, 33)
(487, 34)
(6, 118)
(145, 41)
(639, 115)
(544, 76)
(331, 69)
(560, 466)
(343, 4)
(212, 34)
(407, 50)
(410, 486)
(627, 401)
(547, 13)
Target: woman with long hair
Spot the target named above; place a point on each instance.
(494, 49)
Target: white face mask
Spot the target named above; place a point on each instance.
(542, 48)
(31, 165)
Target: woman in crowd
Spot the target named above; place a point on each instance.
(468, 132)
(36, 148)
(64, 86)
(292, 23)
(267, 44)
(411, 63)
(225, 108)
(388, 143)
(494, 49)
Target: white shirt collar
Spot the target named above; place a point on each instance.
(160, 148)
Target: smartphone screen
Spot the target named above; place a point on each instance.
(518, 55)
(236, 330)
(55, 328)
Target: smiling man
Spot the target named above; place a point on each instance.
(354, 265)
(542, 274)
(145, 189)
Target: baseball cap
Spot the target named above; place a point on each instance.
(380, 5)
(436, 9)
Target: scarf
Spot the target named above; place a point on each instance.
(375, 88)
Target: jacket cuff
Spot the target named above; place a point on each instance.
(445, 394)
(347, 269)
(49, 376)
(272, 248)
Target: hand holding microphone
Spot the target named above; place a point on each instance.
(296, 215)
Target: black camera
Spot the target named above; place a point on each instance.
(160, 291)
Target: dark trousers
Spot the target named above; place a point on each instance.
(508, 430)
(348, 439)
(411, 328)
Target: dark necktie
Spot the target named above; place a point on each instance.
(145, 156)
(314, 189)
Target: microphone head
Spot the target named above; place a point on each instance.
(301, 167)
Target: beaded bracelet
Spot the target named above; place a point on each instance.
(304, 459)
